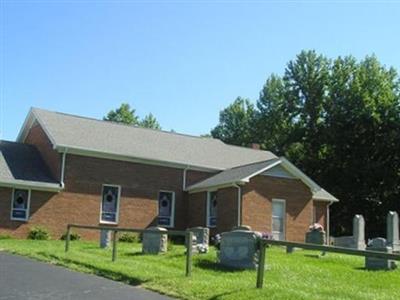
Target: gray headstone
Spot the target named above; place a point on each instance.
(153, 241)
(371, 263)
(359, 232)
(105, 238)
(392, 222)
(343, 241)
(316, 237)
(238, 249)
(202, 235)
(242, 227)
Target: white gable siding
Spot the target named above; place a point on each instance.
(278, 171)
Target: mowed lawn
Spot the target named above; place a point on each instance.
(301, 275)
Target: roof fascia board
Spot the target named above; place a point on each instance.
(105, 155)
(241, 180)
(324, 199)
(32, 185)
(291, 168)
(247, 179)
(215, 187)
(29, 119)
(52, 140)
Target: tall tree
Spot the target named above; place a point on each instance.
(362, 164)
(339, 120)
(150, 121)
(123, 114)
(235, 123)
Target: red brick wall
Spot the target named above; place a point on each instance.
(80, 201)
(227, 213)
(36, 136)
(84, 176)
(257, 205)
(320, 212)
(197, 205)
(140, 185)
(193, 177)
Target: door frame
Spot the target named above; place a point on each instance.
(284, 216)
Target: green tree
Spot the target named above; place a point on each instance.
(362, 164)
(339, 120)
(235, 123)
(127, 115)
(150, 121)
(123, 114)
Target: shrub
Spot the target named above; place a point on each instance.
(73, 236)
(38, 233)
(5, 237)
(129, 238)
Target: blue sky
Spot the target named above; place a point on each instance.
(183, 61)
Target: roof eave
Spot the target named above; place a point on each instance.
(107, 155)
(214, 187)
(40, 186)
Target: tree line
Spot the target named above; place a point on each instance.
(339, 121)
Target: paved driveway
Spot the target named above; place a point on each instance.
(26, 279)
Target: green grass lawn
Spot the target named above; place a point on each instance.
(301, 275)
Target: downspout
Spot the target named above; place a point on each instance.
(239, 204)
(64, 155)
(184, 178)
(328, 224)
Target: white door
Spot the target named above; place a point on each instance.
(278, 219)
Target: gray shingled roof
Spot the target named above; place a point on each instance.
(234, 175)
(242, 174)
(129, 141)
(21, 164)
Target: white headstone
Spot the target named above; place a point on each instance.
(105, 238)
(154, 242)
(392, 223)
(202, 235)
(359, 232)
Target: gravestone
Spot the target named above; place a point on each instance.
(359, 232)
(357, 240)
(343, 241)
(239, 249)
(105, 238)
(153, 242)
(202, 235)
(242, 227)
(371, 263)
(392, 223)
(316, 237)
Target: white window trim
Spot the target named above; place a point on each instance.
(27, 207)
(172, 218)
(284, 216)
(208, 209)
(118, 201)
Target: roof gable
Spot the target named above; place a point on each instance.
(242, 174)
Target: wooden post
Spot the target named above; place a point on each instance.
(189, 245)
(261, 266)
(67, 238)
(114, 245)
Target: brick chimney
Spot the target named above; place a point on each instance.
(255, 146)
